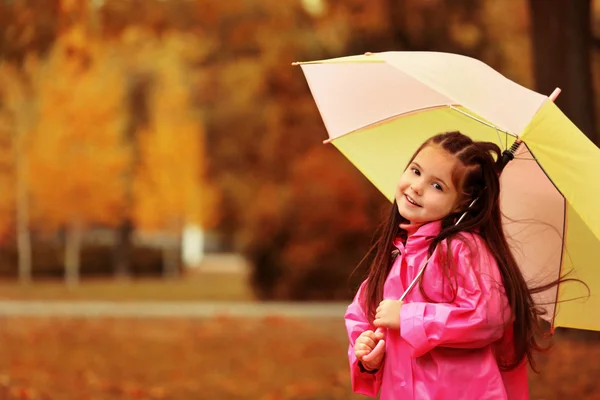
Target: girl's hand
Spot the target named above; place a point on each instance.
(369, 348)
(388, 314)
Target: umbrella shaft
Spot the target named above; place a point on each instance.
(508, 155)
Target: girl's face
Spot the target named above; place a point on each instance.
(426, 191)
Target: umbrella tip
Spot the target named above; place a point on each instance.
(295, 63)
(555, 94)
(327, 141)
(368, 53)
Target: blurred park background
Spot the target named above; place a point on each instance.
(158, 152)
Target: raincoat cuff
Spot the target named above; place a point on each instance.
(365, 383)
(412, 328)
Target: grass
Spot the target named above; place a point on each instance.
(219, 358)
(193, 287)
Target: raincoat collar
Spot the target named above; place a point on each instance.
(418, 238)
(429, 229)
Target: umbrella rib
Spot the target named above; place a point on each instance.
(532, 158)
(482, 121)
(405, 114)
(388, 119)
(562, 257)
(564, 232)
(499, 138)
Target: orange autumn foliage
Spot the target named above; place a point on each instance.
(232, 60)
(76, 149)
(170, 188)
(13, 117)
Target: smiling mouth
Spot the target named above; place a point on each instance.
(411, 201)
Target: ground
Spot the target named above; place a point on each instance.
(209, 286)
(269, 358)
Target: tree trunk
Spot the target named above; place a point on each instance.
(562, 38)
(171, 261)
(22, 206)
(138, 111)
(397, 17)
(72, 254)
(122, 249)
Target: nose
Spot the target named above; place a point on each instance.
(417, 187)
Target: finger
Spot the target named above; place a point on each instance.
(368, 342)
(377, 352)
(360, 354)
(380, 333)
(380, 323)
(365, 347)
(365, 336)
(367, 333)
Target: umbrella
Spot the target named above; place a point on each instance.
(379, 107)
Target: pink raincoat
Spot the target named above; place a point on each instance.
(443, 350)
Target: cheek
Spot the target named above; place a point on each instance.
(448, 204)
(454, 201)
(438, 202)
(402, 183)
(400, 189)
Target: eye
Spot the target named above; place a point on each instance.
(416, 171)
(438, 186)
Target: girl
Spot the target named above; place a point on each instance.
(468, 329)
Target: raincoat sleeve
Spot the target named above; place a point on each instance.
(356, 323)
(477, 316)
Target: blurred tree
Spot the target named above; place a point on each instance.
(77, 156)
(508, 29)
(261, 123)
(308, 237)
(246, 95)
(440, 25)
(229, 73)
(137, 93)
(19, 112)
(134, 47)
(171, 188)
(562, 38)
(7, 154)
(27, 27)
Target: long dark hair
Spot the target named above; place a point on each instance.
(476, 177)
